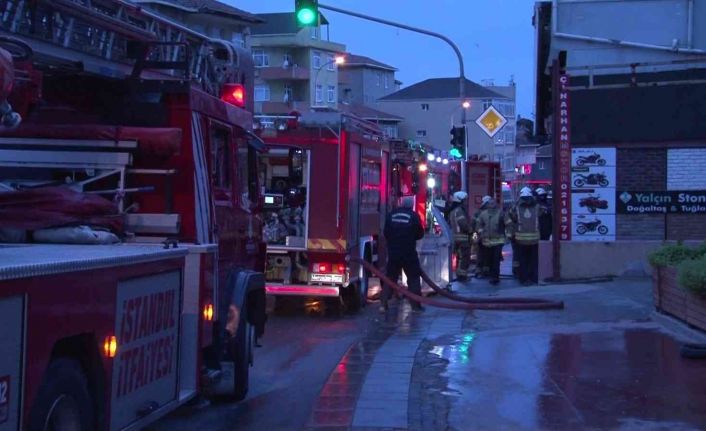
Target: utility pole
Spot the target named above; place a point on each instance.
(461, 78)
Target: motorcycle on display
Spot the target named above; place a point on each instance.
(593, 203)
(593, 159)
(584, 227)
(581, 180)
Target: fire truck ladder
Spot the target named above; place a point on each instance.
(115, 38)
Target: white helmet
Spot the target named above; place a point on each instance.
(407, 202)
(486, 200)
(541, 191)
(459, 196)
(526, 193)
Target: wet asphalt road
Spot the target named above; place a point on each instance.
(303, 344)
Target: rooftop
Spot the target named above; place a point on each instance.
(368, 113)
(206, 6)
(544, 151)
(353, 60)
(279, 23)
(442, 88)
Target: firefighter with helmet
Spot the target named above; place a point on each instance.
(491, 229)
(545, 215)
(403, 228)
(462, 230)
(524, 230)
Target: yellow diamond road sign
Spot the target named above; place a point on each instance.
(491, 121)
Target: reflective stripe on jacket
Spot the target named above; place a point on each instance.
(491, 226)
(459, 224)
(526, 224)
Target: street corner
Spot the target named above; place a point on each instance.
(557, 380)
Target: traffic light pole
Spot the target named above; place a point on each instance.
(461, 78)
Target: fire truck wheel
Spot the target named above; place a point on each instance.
(64, 402)
(242, 362)
(351, 298)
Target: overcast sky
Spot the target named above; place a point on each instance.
(496, 38)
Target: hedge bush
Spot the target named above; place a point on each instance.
(692, 275)
(673, 255)
(700, 250)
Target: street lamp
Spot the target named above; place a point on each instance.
(465, 106)
(339, 59)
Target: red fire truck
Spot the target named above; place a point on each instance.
(135, 128)
(482, 178)
(325, 176)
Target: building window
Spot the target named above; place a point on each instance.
(330, 62)
(487, 103)
(508, 164)
(288, 92)
(260, 58)
(425, 106)
(238, 39)
(421, 133)
(316, 60)
(331, 94)
(319, 93)
(387, 81)
(262, 93)
(287, 60)
(379, 78)
(390, 131)
(314, 32)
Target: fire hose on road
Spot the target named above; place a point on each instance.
(463, 302)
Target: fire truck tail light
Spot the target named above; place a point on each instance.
(110, 346)
(329, 268)
(208, 312)
(233, 94)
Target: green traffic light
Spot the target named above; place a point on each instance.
(306, 16)
(455, 153)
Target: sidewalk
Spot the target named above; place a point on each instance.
(603, 362)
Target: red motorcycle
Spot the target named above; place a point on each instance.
(593, 203)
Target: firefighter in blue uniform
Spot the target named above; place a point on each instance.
(403, 228)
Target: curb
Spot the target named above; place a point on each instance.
(336, 403)
(680, 330)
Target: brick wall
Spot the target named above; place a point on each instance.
(685, 169)
(686, 226)
(641, 170)
(640, 226)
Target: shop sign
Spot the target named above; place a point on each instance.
(662, 202)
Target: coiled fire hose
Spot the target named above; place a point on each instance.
(463, 302)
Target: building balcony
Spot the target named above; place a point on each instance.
(274, 73)
(281, 108)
